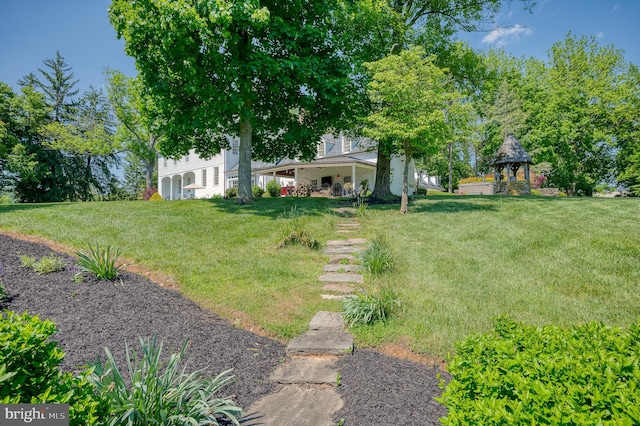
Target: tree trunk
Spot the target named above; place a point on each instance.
(404, 203)
(244, 162)
(450, 167)
(382, 186)
(150, 166)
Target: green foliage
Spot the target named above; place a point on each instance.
(377, 257)
(156, 392)
(361, 206)
(100, 262)
(293, 231)
(520, 374)
(273, 188)
(45, 265)
(257, 191)
(155, 197)
(29, 371)
(231, 192)
(367, 308)
(7, 198)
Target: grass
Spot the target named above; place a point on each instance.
(458, 261)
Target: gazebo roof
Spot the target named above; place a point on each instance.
(510, 152)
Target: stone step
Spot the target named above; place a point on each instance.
(343, 257)
(342, 250)
(315, 342)
(338, 288)
(347, 242)
(297, 405)
(307, 370)
(341, 277)
(327, 321)
(333, 296)
(336, 267)
(349, 225)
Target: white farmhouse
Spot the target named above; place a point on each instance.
(339, 160)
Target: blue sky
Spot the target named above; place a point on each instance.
(32, 30)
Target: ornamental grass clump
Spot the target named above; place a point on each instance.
(293, 231)
(100, 262)
(45, 265)
(377, 258)
(368, 308)
(162, 393)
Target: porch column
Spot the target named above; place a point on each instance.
(295, 175)
(353, 176)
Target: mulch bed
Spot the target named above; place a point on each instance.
(91, 315)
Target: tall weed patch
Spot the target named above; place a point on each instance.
(585, 375)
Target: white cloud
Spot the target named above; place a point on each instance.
(615, 8)
(503, 36)
(599, 34)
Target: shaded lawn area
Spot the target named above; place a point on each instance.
(460, 261)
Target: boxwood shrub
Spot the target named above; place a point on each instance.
(584, 375)
(29, 370)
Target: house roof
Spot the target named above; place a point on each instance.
(510, 152)
(333, 155)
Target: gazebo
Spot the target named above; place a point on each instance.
(508, 159)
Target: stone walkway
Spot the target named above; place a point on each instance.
(306, 394)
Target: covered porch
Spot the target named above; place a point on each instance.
(341, 177)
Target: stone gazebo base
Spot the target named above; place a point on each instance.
(520, 187)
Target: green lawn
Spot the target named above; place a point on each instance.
(460, 261)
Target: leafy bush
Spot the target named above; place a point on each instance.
(377, 258)
(256, 191)
(29, 371)
(45, 265)
(536, 192)
(520, 374)
(273, 188)
(100, 262)
(293, 231)
(7, 198)
(148, 193)
(361, 206)
(231, 192)
(368, 308)
(162, 393)
(155, 197)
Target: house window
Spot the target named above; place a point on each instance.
(346, 144)
(188, 181)
(186, 158)
(234, 147)
(314, 184)
(321, 149)
(216, 176)
(165, 162)
(175, 162)
(347, 179)
(204, 177)
(232, 182)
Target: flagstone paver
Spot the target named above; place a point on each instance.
(342, 277)
(336, 267)
(342, 250)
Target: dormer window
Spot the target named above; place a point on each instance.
(346, 144)
(321, 148)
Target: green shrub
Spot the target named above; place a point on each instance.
(536, 192)
(162, 393)
(155, 197)
(361, 206)
(367, 308)
(293, 231)
(377, 258)
(256, 191)
(29, 371)
(273, 188)
(45, 265)
(100, 262)
(231, 192)
(6, 198)
(585, 375)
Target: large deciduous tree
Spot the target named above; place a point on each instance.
(269, 72)
(139, 127)
(416, 109)
(382, 27)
